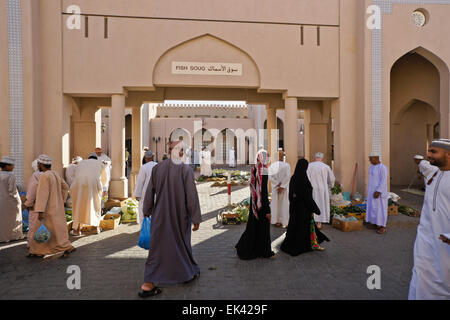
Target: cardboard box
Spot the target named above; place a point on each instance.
(111, 203)
(69, 225)
(393, 210)
(231, 218)
(359, 216)
(109, 224)
(347, 226)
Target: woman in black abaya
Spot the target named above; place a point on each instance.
(302, 234)
(255, 242)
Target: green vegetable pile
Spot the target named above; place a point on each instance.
(336, 189)
(336, 210)
(354, 209)
(68, 214)
(243, 212)
(408, 211)
(130, 209)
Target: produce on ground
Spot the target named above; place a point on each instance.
(243, 212)
(337, 189)
(130, 209)
(408, 211)
(336, 210)
(354, 209)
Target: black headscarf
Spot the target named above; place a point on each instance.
(300, 178)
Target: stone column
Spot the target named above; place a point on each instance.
(291, 136)
(307, 134)
(271, 131)
(98, 128)
(136, 147)
(119, 184)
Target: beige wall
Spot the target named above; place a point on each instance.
(215, 111)
(401, 36)
(409, 137)
(292, 11)
(99, 65)
(261, 34)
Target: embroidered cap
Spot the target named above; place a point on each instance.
(44, 159)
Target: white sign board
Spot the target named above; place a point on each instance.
(207, 68)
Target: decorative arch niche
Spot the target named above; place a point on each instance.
(417, 102)
(206, 49)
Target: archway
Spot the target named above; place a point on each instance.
(414, 113)
(181, 134)
(280, 127)
(225, 140)
(202, 138)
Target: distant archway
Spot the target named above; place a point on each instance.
(180, 134)
(226, 139)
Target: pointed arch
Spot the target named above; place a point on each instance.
(443, 106)
(206, 48)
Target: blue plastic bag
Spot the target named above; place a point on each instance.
(43, 234)
(144, 237)
(25, 215)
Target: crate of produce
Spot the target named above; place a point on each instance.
(228, 217)
(112, 203)
(347, 226)
(393, 210)
(357, 215)
(110, 221)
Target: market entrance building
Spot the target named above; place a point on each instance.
(314, 60)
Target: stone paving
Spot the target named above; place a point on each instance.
(112, 265)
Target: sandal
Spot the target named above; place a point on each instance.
(31, 255)
(67, 253)
(149, 293)
(382, 230)
(319, 248)
(193, 278)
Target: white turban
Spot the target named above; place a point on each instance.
(441, 143)
(34, 165)
(148, 154)
(44, 159)
(77, 159)
(319, 155)
(8, 160)
(374, 154)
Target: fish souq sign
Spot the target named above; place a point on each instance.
(207, 68)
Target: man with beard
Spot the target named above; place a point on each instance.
(431, 272)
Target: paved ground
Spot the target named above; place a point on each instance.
(112, 266)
